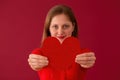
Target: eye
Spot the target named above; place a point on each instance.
(55, 26)
(65, 26)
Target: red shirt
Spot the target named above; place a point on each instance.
(74, 72)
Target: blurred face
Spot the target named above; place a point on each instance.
(61, 27)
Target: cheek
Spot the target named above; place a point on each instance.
(69, 32)
(52, 33)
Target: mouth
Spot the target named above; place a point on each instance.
(61, 37)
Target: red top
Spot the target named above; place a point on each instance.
(74, 72)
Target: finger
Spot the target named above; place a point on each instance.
(35, 56)
(43, 61)
(87, 66)
(81, 62)
(85, 58)
(85, 62)
(36, 67)
(32, 60)
(80, 55)
(88, 54)
(38, 64)
(38, 61)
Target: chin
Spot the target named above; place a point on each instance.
(60, 40)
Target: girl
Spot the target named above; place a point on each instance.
(61, 23)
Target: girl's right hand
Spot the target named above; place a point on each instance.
(37, 62)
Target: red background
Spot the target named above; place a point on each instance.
(21, 25)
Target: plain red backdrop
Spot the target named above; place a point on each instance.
(21, 25)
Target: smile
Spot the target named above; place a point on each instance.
(61, 37)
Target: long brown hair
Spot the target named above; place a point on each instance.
(56, 10)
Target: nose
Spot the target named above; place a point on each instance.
(60, 31)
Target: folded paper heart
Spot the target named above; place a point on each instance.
(61, 55)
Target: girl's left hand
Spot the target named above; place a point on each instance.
(86, 60)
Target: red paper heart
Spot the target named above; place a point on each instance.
(63, 55)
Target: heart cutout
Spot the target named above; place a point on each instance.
(61, 56)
